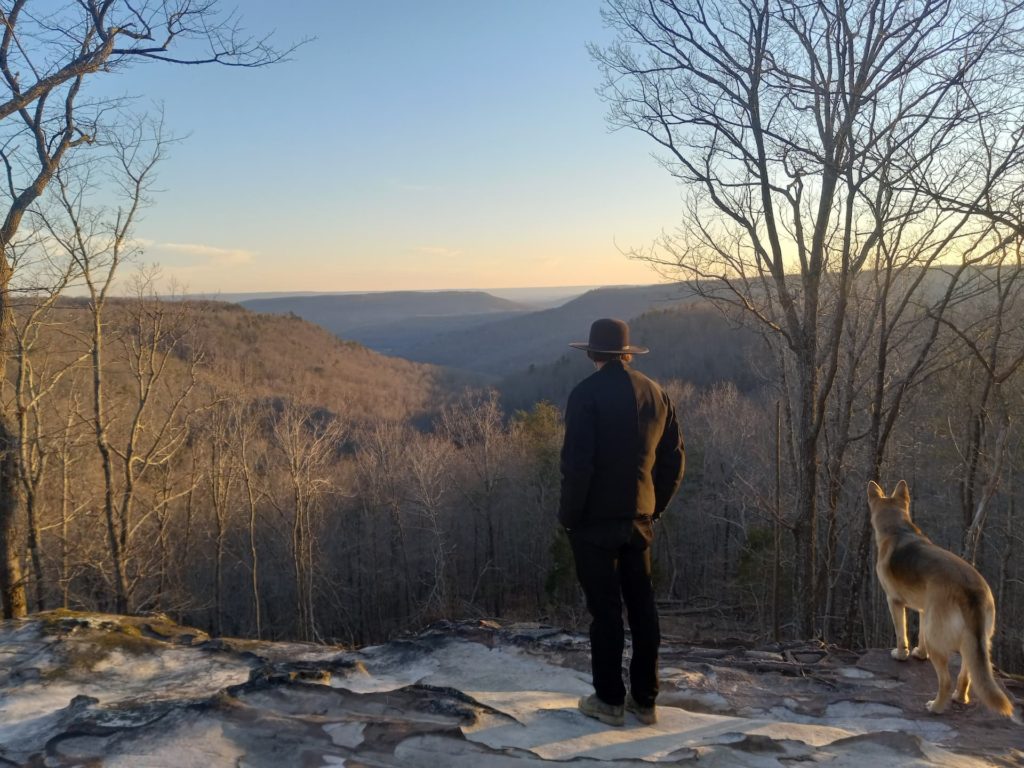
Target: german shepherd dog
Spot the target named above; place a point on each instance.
(955, 604)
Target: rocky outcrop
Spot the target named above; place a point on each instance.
(86, 689)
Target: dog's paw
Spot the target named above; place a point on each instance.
(919, 652)
(900, 654)
(933, 707)
(965, 699)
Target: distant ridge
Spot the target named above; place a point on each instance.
(345, 314)
(470, 330)
(532, 296)
(502, 346)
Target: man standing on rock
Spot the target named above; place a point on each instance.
(622, 461)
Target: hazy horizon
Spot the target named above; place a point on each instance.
(503, 292)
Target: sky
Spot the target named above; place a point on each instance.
(409, 145)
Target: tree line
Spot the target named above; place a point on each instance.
(151, 484)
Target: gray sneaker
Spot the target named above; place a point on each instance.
(646, 715)
(609, 714)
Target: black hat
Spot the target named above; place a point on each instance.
(610, 336)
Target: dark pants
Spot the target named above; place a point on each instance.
(611, 575)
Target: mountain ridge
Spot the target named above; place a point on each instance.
(499, 347)
(470, 330)
(341, 313)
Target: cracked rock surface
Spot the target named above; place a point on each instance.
(89, 689)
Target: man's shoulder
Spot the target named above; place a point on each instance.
(589, 383)
(583, 389)
(642, 380)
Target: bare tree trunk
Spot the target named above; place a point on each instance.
(299, 564)
(65, 577)
(163, 515)
(65, 502)
(110, 515)
(805, 527)
(251, 501)
(12, 586)
(1004, 585)
(777, 525)
(254, 570)
(34, 548)
(972, 537)
(218, 572)
(31, 464)
(973, 451)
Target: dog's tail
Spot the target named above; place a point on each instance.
(978, 658)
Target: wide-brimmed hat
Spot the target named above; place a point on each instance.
(610, 336)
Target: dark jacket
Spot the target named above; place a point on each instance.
(622, 458)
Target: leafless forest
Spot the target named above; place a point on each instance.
(854, 175)
(274, 494)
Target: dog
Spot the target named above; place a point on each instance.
(955, 603)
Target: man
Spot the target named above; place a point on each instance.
(622, 461)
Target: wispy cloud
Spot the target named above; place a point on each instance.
(211, 254)
(437, 250)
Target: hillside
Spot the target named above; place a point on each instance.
(285, 356)
(260, 357)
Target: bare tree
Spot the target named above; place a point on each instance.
(97, 240)
(244, 421)
(307, 440)
(223, 477)
(67, 450)
(803, 133)
(39, 368)
(48, 58)
(382, 465)
(538, 435)
(475, 426)
(428, 459)
(990, 329)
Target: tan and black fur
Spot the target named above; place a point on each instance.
(954, 601)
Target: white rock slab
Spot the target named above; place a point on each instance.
(533, 708)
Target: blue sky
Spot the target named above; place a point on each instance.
(442, 144)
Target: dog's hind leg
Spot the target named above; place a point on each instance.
(898, 611)
(963, 683)
(921, 649)
(941, 663)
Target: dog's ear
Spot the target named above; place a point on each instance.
(875, 491)
(902, 492)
